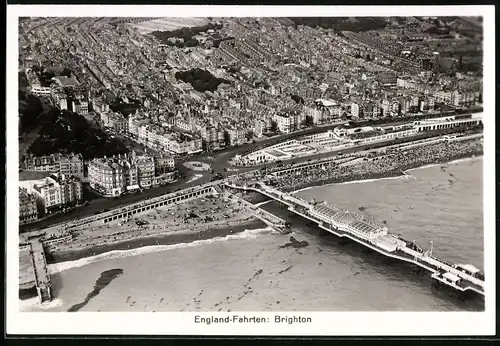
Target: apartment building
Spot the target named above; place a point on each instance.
(113, 176)
(40, 91)
(442, 96)
(54, 192)
(115, 121)
(157, 137)
(212, 137)
(145, 170)
(182, 143)
(163, 164)
(236, 136)
(134, 123)
(286, 122)
(355, 110)
(63, 104)
(314, 113)
(261, 126)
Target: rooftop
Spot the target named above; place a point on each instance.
(66, 81)
(33, 175)
(470, 268)
(451, 277)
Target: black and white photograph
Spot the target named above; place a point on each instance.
(251, 171)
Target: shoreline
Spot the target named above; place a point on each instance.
(56, 261)
(58, 255)
(186, 236)
(126, 248)
(398, 173)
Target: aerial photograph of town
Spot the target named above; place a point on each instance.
(184, 164)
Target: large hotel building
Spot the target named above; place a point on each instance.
(118, 174)
(51, 193)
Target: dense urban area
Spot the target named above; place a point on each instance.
(121, 119)
(115, 105)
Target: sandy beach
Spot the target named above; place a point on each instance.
(194, 219)
(384, 165)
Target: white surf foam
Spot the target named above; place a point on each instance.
(404, 176)
(426, 166)
(304, 189)
(63, 266)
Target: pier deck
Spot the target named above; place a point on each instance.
(40, 272)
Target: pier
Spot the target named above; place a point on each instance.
(343, 223)
(40, 273)
(268, 218)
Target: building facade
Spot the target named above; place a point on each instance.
(69, 165)
(57, 191)
(116, 175)
(28, 211)
(80, 107)
(286, 123)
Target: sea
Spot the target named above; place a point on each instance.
(256, 270)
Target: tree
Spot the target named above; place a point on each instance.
(227, 139)
(308, 121)
(274, 126)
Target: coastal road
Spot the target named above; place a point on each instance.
(219, 162)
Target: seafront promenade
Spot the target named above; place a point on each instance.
(221, 162)
(393, 160)
(128, 211)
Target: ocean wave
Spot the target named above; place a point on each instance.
(466, 159)
(403, 176)
(457, 161)
(424, 167)
(33, 303)
(114, 254)
(304, 189)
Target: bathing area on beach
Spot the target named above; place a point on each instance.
(194, 216)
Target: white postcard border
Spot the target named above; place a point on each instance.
(182, 323)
